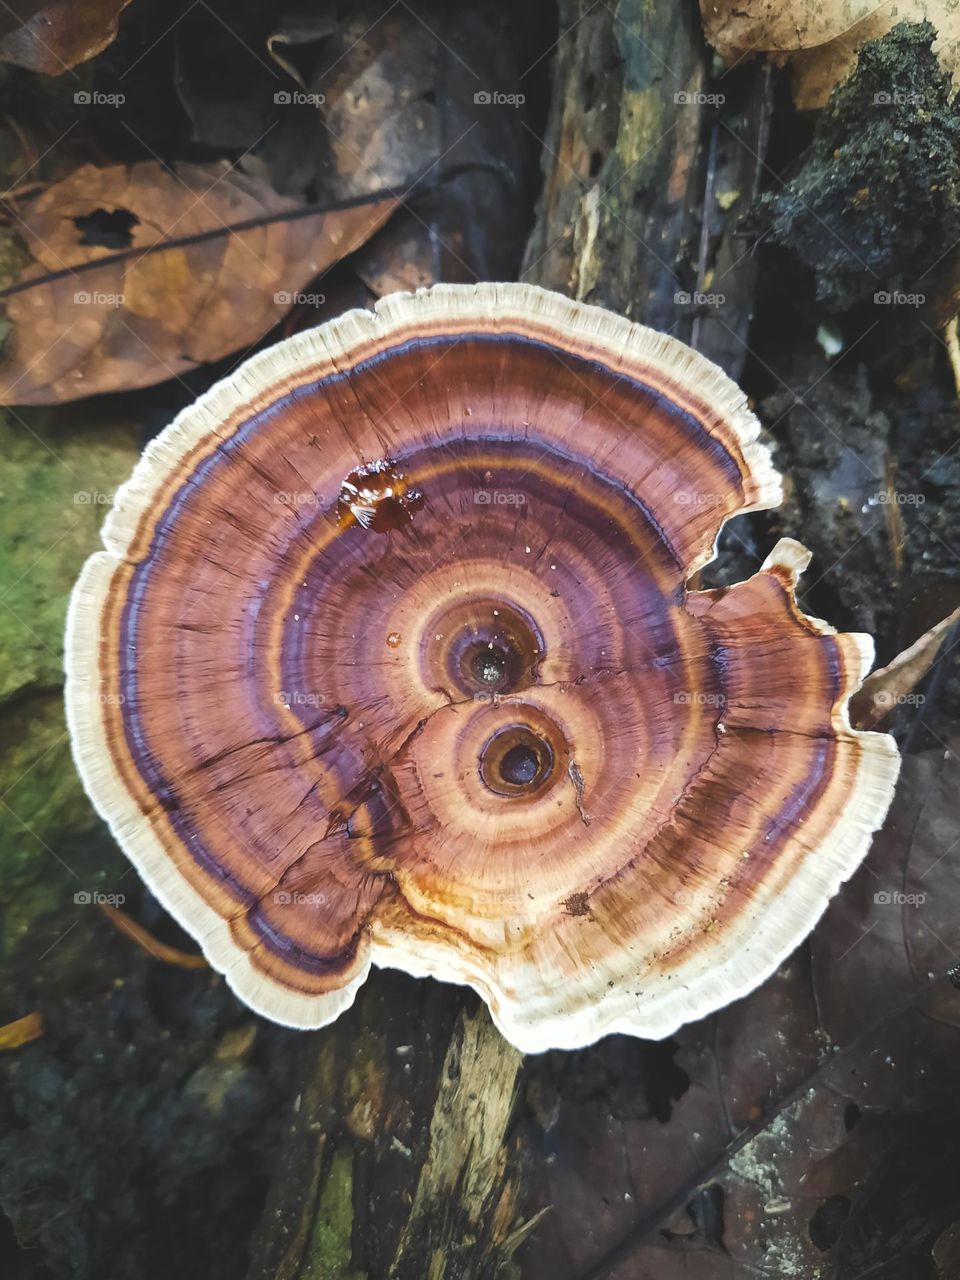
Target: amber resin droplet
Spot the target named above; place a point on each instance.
(376, 496)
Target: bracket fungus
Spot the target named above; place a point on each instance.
(391, 658)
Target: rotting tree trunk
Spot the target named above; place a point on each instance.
(645, 182)
(396, 1162)
(619, 211)
(399, 1160)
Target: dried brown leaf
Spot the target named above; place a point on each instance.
(888, 687)
(139, 273)
(821, 41)
(62, 34)
(404, 90)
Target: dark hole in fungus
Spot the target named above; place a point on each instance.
(107, 228)
(520, 765)
(851, 1115)
(516, 762)
(489, 665)
(491, 648)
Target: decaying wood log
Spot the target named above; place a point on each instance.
(397, 1160)
(619, 211)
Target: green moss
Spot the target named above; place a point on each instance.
(41, 797)
(330, 1249)
(55, 487)
(878, 198)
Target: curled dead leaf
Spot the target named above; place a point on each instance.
(139, 273)
(21, 1032)
(888, 687)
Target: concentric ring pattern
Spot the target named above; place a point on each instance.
(391, 657)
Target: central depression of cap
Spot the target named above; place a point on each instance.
(394, 659)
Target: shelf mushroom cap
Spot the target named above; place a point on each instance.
(391, 658)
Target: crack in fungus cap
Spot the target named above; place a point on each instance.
(391, 658)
